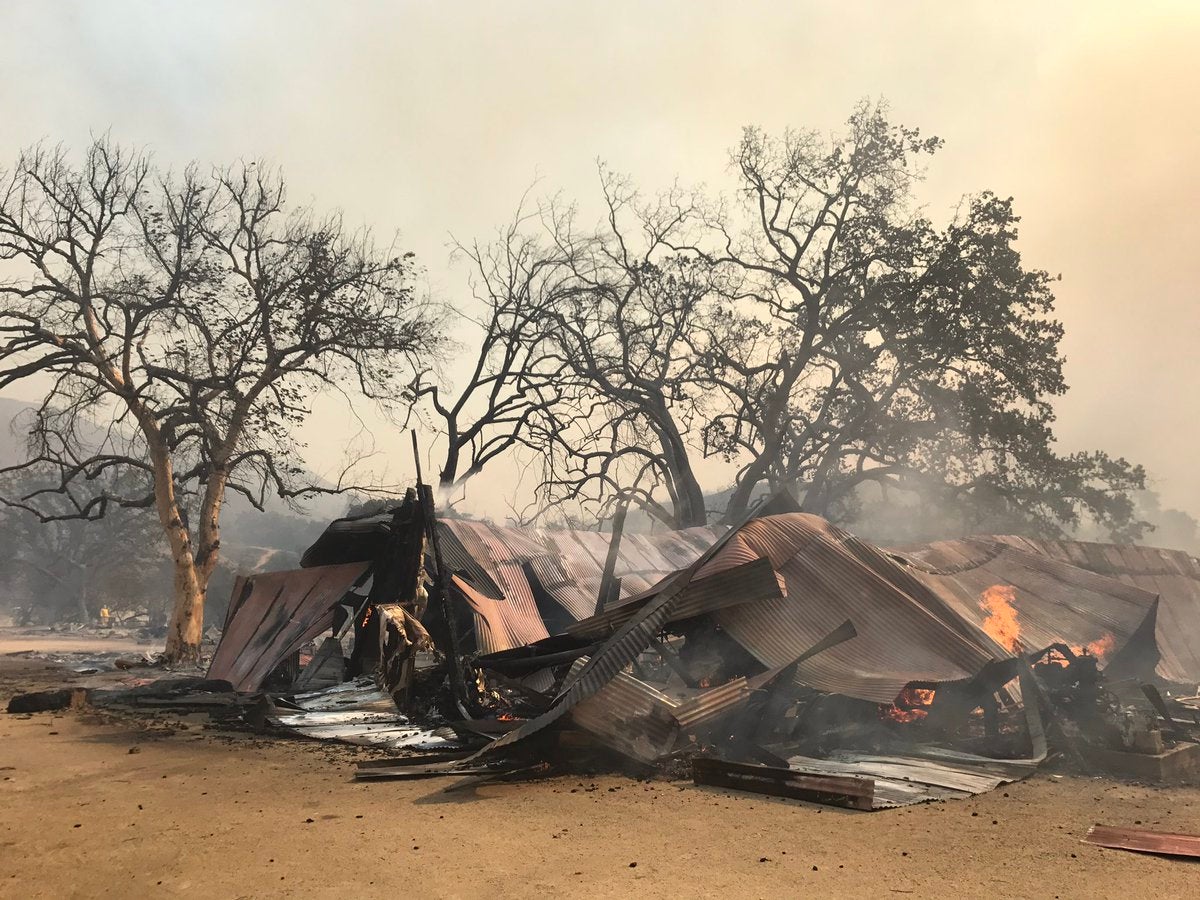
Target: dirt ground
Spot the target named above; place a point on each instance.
(98, 806)
(25, 640)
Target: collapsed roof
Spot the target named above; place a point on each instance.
(571, 623)
(1171, 574)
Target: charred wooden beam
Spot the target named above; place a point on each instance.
(830, 790)
(515, 665)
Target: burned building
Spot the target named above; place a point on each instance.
(783, 654)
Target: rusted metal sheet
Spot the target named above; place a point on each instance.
(617, 652)
(1055, 600)
(275, 614)
(906, 631)
(629, 716)
(552, 575)
(1142, 841)
(752, 582)
(1171, 574)
(497, 563)
(712, 704)
(570, 563)
(501, 624)
(902, 780)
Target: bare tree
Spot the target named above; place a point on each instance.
(194, 317)
(628, 331)
(518, 379)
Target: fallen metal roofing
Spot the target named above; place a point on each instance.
(751, 582)
(273, 615)
(1055, 601)
(570, 563)
(628, 715)
(903, 780)
(618, 651)
(357, 712)
(501, 624)
(1171, 574)
(906, 630)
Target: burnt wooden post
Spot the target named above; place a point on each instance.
(397, 573)
(441, 596)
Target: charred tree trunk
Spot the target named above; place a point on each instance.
(739, 500)
(690, 511)
(449, 472)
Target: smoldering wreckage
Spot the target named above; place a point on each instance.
(781, 656)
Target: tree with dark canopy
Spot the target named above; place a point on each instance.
(827, 337)
(516, 380)
(860, 344)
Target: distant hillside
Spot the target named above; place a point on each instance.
(251, 540)
(322, 507)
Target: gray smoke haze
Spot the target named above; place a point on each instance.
(434, 118)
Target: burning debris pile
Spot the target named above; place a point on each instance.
(782, 655)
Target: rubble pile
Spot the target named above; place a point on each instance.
(783, 655)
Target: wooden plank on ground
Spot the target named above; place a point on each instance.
(420, 759)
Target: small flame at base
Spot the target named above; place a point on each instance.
(910, 705)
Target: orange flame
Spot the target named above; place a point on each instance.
(1101, 647)
(1001, 624)
(909, 706)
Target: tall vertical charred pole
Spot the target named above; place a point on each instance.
(440, 588)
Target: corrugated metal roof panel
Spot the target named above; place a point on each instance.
(276, 614)
(567, 564)
(617, 652)
(628, 715)
(581, 553)
(906, 631)
(573, 597)
(751, 582)
(1172, 574)
(501, 624)
(712, 704)
(1054, 601)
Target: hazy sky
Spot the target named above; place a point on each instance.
(434, 117)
